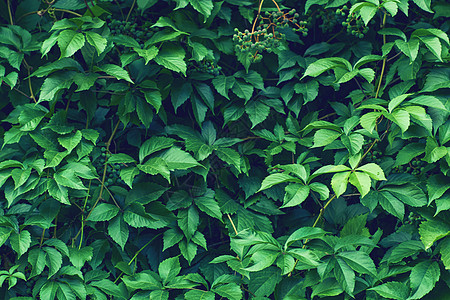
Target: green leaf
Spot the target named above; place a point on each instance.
(368, 121)
(115, 71)
(103, 212)
(368, 12)
(20, 242)
(230, 291)
(118, 230)
(242, 90)
(154, 166)
(48, 290)
(223, 84)
(154, 144)
(276, 178)
(188, 221)
(324, 137)
(359, 261)
(37, 260)
(321, 189)
(392, 290)
(145, 280)
(144, 193)
(424, 5)
(203, 6)
(433, 230)
(230, 157)
(344, 275)
(154, 99)
(410, 49)
(327, 287)
(62, 64)
(437, 79)
(405, 249)
(199, 294)
(287, 59)
(180, 92)
(309, 90)
(263, 283)
(428, 100)
(59, 192)
(168, 269)
(172, 58)
(401, 118)
(307, 258)
(78, 257)
(325, 64)
(423, 278)
(20, 176)
(257, 112)
(147, 54)
(286, 263)
(70, 141)
(407, 153)
(69, 42)
(54, 260)
(295, 194)
(4, 234)
(391, 204)
(97, 41)
(339, 182)
(208, 204)
(69, 179)
(373, 170)
(188, 250)
(178, 159)
(445, 252)
(408, 194)
(304, 233)
(171, 238)
(127, 175)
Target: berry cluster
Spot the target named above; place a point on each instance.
(267, 37)
(416, 167)
(329, 20)
(112, 170)
(414, 219)
(374, 156)
(206, 66)
(355, 25)
(129, 28)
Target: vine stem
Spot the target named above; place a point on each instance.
(87, 5)
(108, 143)
(9, 12)
(232, 224)
(137, 253)
(83, 220)
(131, 9)
(384, 60)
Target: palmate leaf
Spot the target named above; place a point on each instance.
(344, 275)
(172, 58)
(118, 230)
(20, 242)
(103, 212)
(295, 194)
(188, 220)
(168, 269)
(423, 278)
(392, 290)
(178, 159)
(69, 42)
(432, 230)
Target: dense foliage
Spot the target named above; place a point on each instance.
(236, 149)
